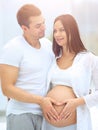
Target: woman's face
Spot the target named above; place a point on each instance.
(59, 33)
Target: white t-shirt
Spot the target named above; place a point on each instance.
(33, 67)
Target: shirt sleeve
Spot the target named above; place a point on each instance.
(11, 55)
(92, 99)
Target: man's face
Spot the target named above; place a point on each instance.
(36, 29)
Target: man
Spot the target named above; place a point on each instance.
(24, 65)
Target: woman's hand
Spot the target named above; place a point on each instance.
(70, 107)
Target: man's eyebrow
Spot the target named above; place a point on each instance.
(40, 23)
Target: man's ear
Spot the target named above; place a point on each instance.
(24, 28)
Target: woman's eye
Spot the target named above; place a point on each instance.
(54, 31)
(61, 30)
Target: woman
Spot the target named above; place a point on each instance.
(76, 67)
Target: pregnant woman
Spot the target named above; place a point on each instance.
(71, 75)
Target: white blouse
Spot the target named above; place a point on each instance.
(80, 76)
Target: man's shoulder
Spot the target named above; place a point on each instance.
(13, 43)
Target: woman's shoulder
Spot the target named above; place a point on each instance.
(87, 58)
(86, 54)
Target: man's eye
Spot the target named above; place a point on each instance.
(38, 26)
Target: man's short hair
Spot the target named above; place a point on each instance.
(25, 12)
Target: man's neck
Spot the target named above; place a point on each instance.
(33, 42)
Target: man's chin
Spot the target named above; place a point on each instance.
(41, 36)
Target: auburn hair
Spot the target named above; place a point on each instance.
(74, 42)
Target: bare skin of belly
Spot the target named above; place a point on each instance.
(60, 93)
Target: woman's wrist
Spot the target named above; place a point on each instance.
(80, 101)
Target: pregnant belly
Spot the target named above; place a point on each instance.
(60, 93)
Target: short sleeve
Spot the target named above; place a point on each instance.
(11, 55)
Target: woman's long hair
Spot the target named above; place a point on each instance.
(74, 42)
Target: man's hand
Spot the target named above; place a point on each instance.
(48, 110)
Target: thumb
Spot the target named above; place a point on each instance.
(57, 103)
(63, 102)
(53, 101)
